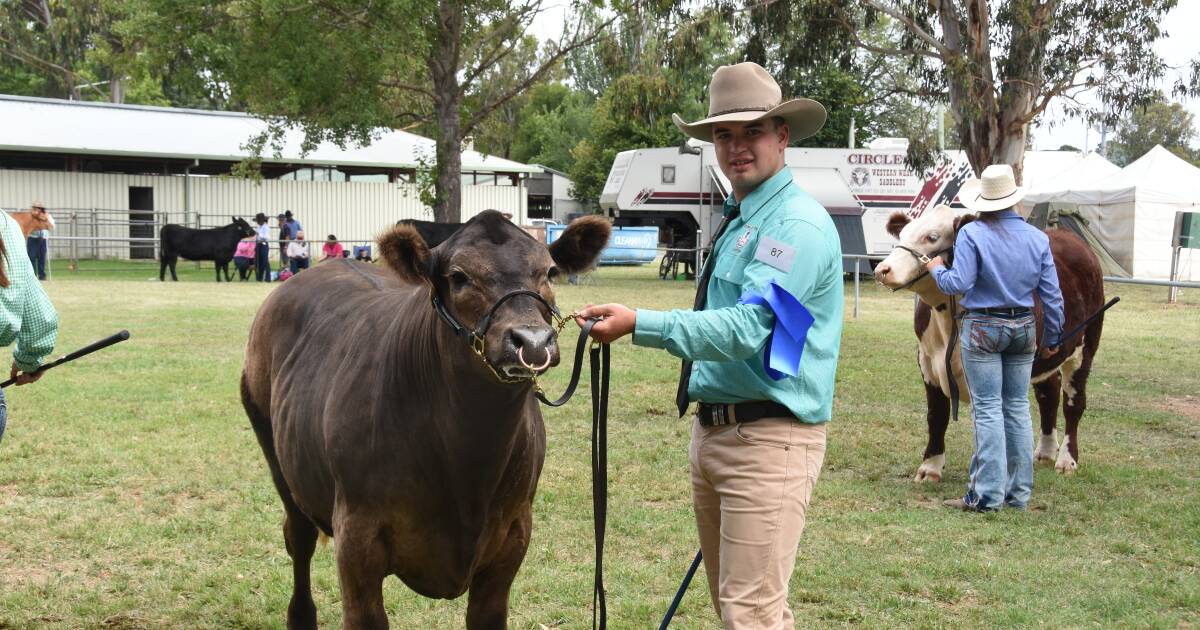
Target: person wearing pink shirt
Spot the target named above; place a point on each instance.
(331, 249)
(243, 257)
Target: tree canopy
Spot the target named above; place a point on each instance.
(1000, 64)
(1161, 122)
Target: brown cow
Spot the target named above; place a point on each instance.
(36, 218)
(1082, 285)
(384, 430)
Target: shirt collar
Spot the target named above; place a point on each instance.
(761, 195)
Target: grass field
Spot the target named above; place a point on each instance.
(133, 494)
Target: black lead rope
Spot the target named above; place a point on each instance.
(599, 360)
(955, 395)
(600, 373)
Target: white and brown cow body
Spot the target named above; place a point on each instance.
(935, 319)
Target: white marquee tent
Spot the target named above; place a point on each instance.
(1083, 173)
(1132, 211)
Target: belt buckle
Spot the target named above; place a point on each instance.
(716, 416)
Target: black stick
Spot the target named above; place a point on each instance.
(1076, 330)
(84, 351)
(687, 579)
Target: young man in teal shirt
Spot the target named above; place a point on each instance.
(760, 349)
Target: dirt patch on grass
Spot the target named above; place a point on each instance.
(1186, 406)
(8, 492)
(122, 621)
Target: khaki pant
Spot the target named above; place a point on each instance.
(751, 484)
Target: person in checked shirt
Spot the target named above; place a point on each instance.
(28, 320)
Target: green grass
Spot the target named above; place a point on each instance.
(133, 494)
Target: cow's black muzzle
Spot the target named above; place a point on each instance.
(476, 338)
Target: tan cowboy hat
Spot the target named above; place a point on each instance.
(745, 92)
(995, 189)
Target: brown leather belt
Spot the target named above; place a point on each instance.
(711, 415)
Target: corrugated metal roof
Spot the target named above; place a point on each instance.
(81, 127)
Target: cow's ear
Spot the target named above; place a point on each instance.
(896, 222)
(577, 249)
(403, 249)
(959, 222)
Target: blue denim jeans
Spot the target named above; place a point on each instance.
(3, 415)
(997, 357)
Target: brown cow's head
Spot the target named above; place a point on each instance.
(38, 218)
(931, 233)
(489, 258)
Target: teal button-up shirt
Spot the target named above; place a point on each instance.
(726, 340)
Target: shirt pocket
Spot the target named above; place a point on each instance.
(731, 268)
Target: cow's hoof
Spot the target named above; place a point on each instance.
(1066, 465)
(931, 469)
(1046, 449)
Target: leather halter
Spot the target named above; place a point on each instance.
(923, 260)
(476, 338)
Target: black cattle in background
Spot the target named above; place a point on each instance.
(215, 244)
(432, 233)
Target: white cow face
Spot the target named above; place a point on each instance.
(930, 234)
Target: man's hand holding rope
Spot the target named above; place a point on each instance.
(616, 321)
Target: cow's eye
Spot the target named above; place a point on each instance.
(552, 274)
(933, 238)
(458, 280)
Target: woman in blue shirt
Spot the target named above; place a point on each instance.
(999, 262)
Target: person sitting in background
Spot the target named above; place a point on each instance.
(243, 257)
(26, 314)
(362, 252)
(331, 249)
(298, 254)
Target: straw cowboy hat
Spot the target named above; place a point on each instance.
(995, 189)
(744, 92)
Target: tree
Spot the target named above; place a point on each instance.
(494, 134)
(656, 59)
(553, 121)
(635, 112)
(45, 45)
(88, 50)
(341, 69)
(999, 65)
(1162, 122)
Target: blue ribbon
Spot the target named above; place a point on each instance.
(785, 346)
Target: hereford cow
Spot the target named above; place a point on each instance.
(935, 317)
(215, 244)
(383, 428)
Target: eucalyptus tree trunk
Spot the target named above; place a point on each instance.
(443, 66)
(993, 128)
